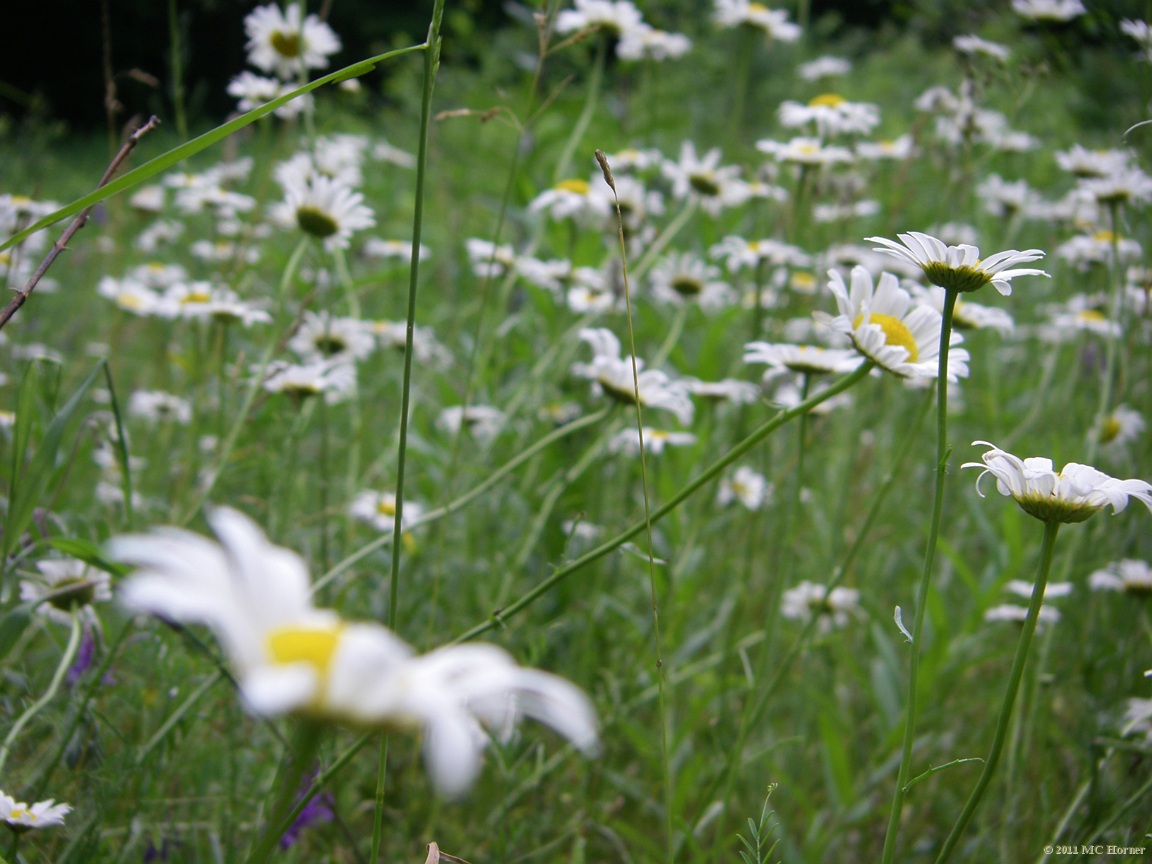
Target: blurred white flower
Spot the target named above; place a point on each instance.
(284, 42)
(43, 814)
(291, 657)
(833, 609)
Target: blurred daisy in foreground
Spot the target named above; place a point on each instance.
(287, 42)
(20, 817)
(612, 375)
(888, 328)
(289, 657)
(1129, 575)
(746, 487)
(1072, 494)
(832, 609)
(959, 268)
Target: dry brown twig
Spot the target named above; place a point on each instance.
(79, 222)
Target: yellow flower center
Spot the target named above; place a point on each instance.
(687, 286)
(827, 100)
(312, 645)
(757, 8)
(129, 301)
(1091, 316)
(386, 507)
(286, 44)
(1104, 236)
(808, 149)
(577, 187)
(196, 297)
(896, 332)
(21, 813)
(803, 282)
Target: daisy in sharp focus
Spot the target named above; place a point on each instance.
(959, 268)
(286, 42)
(1072, 494)
(888, 328)
(290, 657)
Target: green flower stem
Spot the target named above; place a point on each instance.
(705, 477)
(942, 451)
(1005, 716)
(1112, 343)
(594, 81)
(286, 786)
(33, 709)
(431, 67)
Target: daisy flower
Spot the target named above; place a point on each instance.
(965, 315)
(378, 509)
(682, 279)
(612, 375)
(325, 209)
(20, 817)
(889, 329)
(1072, 494)
(252, 90)
(1119, 428)
(804, 150)
(745, 486)
(970, 44)
(627, 441)
(483, 422)
(1083, 162)
(285, 42)
(156, 406)
(653, 44)
(831, 114)
(323, 336)
(959, 268)
(1129, 575)
(1013, 612)
(1048, 10)
(614, 17)
(571, 199)
(335, 380)
(69, 587)
(703, 179)
(823, 67)
(1119, 186)
(774, 22)
(804, 359)
(290, 657)
(833, 609)
(729, 390)
(739, 253)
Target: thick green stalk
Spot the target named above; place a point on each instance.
(286, 787)
(942, 451)
(1002, 721)
(431, 66)
(705, 477)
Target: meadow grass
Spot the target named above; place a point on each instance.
(729, 724)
